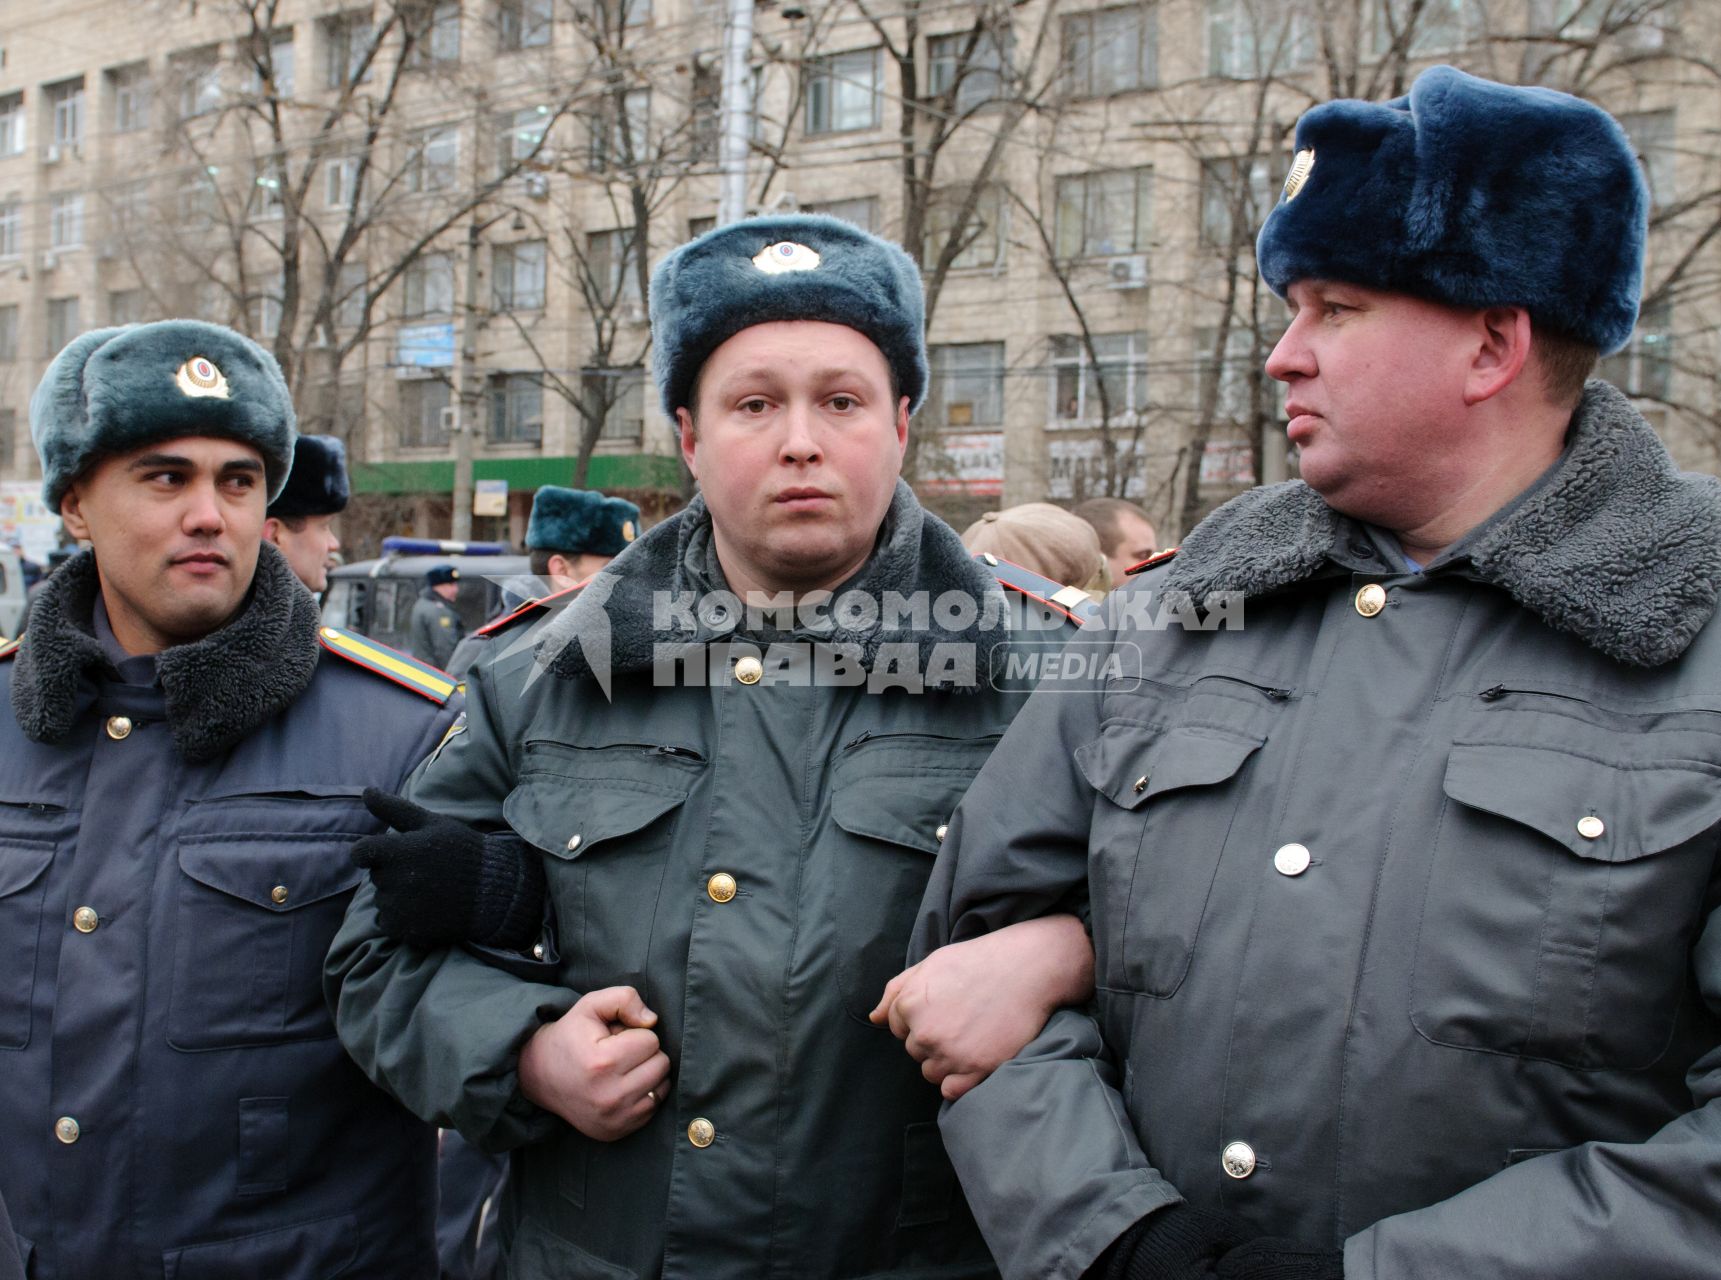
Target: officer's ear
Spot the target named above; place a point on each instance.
(689, 439)
(72, 513)
(272, 530)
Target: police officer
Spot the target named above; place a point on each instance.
(436, 626)
(729, 783)
(1404, 891)
(184, 749)
(300, 522)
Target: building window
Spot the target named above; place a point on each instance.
(1122, 368)
(427, 286)
(625, 417)
(1112, 50)
(269, 189)
(861, 211)
(1248, 39)
(66, 107)
(347, 41)
(352, 285)
(198, 200)
(435, 30)
(66, 221)
(1441, 25)
(1645, 366)
(8, 334)
(517, 270)
(705, 109)
(341, 182)
(435, 161)
(273, 70)
(523, 24)
(128, 209)
(1233, 186)
(422, 404)
(62, 323)
(1239, 371)
(978, 77)
(982, 240)
(619, 136)
(11, 124)
(843, 92)
(1099, 214)
(126, 306)
(697, 227)
(516, 408)
(612, 15)
(612, 259)
(519, 137)
(967, 385)
(199, 77)
(263, 308)
(131, 97)
(1651, 136)
(11, 226)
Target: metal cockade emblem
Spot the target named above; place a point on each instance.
(1301, 167)
(199, 378)
(785, 256)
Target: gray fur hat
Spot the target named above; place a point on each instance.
(113, 390)
(580, 522)
(787, 267)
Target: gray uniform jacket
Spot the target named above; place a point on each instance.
(436, 629)
(174, 838)
(749, 857)
(1404, 892)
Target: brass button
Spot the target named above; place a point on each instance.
(702, 1133)
(1591, 827)
(1238, 1159)
(537, 951)
(1140, 784)
(748, 670)
(85, 920)
(943, 830)
(279, 895)
(574, 843)
(1371, 600)
(721, 887)
(66, 1130)
(1291, 859)
(119, 727)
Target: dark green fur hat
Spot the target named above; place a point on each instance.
(580, 521)
(317, 485)
(113, 390)
(789, 267)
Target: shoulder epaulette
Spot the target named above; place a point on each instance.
(9, 648)
(406, 671)
(1158, 557)
(1074, 603)
(527, 610)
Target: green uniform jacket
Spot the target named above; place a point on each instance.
(825, 805)
(436, 628)
(1404, 893)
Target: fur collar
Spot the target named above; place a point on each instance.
(217, 689)
(614, 621)
(1619, 548)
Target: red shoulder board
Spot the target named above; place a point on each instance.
(525, 610)
(391, 664)
(1158, 557)
(9, 648)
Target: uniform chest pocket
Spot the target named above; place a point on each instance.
(605, 815)
(255, 916)
(891, 798)
(23, 880)
(1564, 896)
(1162, 817)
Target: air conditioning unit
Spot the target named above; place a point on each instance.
(632, 312)
(50, 260)
(1127, 272)
(538, 186)
(51, 153)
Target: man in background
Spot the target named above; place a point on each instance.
(301, 521)
(436, 625)
(1126, 534)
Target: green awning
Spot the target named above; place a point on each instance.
(607, 471)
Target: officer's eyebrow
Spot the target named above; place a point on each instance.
(152, 461)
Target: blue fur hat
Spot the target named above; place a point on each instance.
(1470, 193)
(113, 390)
(790, 267)
(317, 484)
(580, 522)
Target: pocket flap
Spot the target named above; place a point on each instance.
(275, 872)
(1629, 810)
(1131, 764)
(903, 788)
(22, 861)
(550, 811)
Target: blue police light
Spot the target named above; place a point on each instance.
(441, 547)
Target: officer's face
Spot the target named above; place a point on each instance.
(307, 547)
(175, 526)
(798, 448)
(1375, 396)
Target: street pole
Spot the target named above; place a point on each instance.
(467, 418)
(736, 118)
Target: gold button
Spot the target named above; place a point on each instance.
(702, 1133)
(1591, 827)
(1291, 859)
(537, 951)
(721, 887)
(279, 894)
(1141, 784)
(119, 727)
(943, 830)
(1238, 1159)
(66, 1130)
(1371, 600)
(85, 920)
(748, 670)
(573, 843)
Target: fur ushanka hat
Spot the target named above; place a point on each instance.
(113, 390)
(1470, 193)
(317, 485)
(788, 267)
(580, 522)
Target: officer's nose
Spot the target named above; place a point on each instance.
(1291, 356)
(202, 510)
(800, 443)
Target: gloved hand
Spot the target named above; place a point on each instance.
(1179, 1242)
(1269, 1258)
(439, 881)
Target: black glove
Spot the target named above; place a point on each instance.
(440, 881)
(1273, 1259)
(1175, 1243)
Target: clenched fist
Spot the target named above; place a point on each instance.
(599, 1065)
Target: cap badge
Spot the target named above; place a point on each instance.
(1301, 167)
(785, 256)
(199, 378)
(627, 534)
